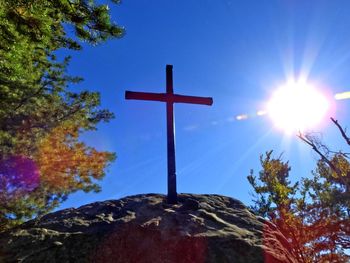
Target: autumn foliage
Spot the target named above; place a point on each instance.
(67, 164)
(313, 213)
(42, 116)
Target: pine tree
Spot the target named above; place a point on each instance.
(41, 158)
(314, 213)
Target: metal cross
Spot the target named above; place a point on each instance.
(170, 98)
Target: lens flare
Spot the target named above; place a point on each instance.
(18, 176)
(241, 117)
(342, 96)
(261, 112)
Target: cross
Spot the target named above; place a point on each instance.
(170, 98)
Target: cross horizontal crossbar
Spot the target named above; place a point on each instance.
(166, 97)
(169, 98)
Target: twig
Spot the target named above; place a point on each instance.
(342, 131)
(323, 157)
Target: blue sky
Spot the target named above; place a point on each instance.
(237, 52)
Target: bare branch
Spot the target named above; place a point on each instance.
(342, 131)
(323, 157)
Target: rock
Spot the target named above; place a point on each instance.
(144, 228)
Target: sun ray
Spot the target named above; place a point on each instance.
(243, 158)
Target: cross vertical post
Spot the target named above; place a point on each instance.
(170, 98)
(172, 193)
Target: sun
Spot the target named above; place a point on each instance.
(297, 106)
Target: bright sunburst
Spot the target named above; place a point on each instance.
(297, 106)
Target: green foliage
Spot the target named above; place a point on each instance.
(313, 214)
(37, 110)
(275, 189)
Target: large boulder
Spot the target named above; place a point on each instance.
(144, 228)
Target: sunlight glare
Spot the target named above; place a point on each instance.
(297, 106)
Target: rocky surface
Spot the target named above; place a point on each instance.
(144, 228)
